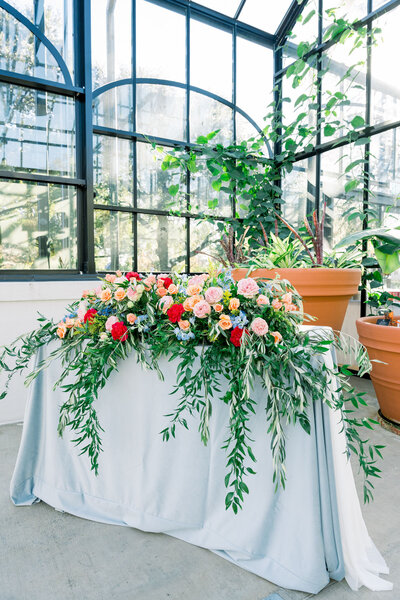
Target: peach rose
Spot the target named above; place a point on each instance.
(78, 322)
(261, 300)
(214, 294)
(150, 279)
(110, 322)
(277, 336)
(259, 326)
(234, 304)
(161, 292)
(172, 289)
(201, 309)
(276, 304)
(218, 307)
(184, 325)
(224, 322)
(61, 329)
(118, 273)
(189, 303)
(287, 298)
(193, 290)
(85, 293)
(110, 278)
(165, 302)
(131, 318)
(291, 307)
(105, 295)
(247, 287)
(120, 294)
(69, 322)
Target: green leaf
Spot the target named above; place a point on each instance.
(309, 16)
(357, 122)
(201, 140)
(173, 189)
(216, 185)
(351, 185)
(329, 130)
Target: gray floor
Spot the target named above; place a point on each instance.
(45, 554)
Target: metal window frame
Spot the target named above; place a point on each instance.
(83, 94)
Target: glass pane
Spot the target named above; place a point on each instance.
(211, 59)
(298, 192)
(205, 200)
(227, 7)
(264, 14)
(254, 86)
(114, 108)
(111, 41)
(304, 30)
(113, 240)
(385, 187)
(244, 129)
(55, 19)
(338, 202)
(291, 112)
(37, 226)
(338, 61)
(153, 183)
(113, 171)
(37, 131)
(204, 236)
(350, 9)
(154, 22)
(206, 115)
(385, 84)
(161, 243)
(161, 111)
(21, 52)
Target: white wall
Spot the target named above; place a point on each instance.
(19, 305)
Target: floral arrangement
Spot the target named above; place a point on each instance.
(217, 329)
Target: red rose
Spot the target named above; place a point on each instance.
(167, 282)
(175, 312)
(236, 336)
(119, 331)
(133, 275)
(89, 316)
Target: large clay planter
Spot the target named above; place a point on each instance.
(325, 292)
(383, 343)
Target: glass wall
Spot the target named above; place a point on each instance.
(375, 96)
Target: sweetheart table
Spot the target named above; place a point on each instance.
(298, 538)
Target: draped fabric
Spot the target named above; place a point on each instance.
(298, 538)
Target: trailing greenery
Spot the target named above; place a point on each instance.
(224, 337)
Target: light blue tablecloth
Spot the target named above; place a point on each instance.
(291, 537)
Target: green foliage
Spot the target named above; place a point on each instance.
(210, 367)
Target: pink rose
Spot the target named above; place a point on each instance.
(259, 326)
(201, 309)
(132, 294)
(98, 291)
(214, 295)
(110, 278)
(165, 302)
(118, 273)
(82, 310)
(287, 298)
(261, 300)
(110, 322)
(196, 280)
(150, 279)
(276, 304)
(247, 287)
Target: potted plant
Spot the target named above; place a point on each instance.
(381, 336)
(325, 282)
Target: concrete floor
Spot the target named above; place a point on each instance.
(47, 555)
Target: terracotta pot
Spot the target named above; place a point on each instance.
(383, 343)
(325, 292)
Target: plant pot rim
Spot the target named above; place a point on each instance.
(371, 321)
(316, 269)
